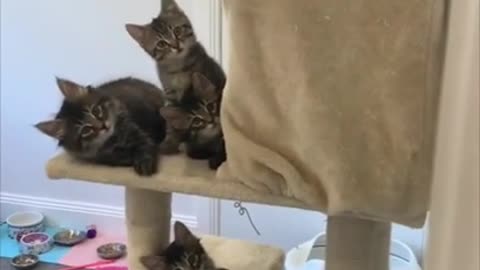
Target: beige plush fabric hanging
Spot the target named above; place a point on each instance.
(333, 103)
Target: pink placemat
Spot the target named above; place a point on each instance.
(86, 252)
(112, 268)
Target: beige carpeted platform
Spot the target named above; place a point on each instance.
(241, 255)
(176, 174)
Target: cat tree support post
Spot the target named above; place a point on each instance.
(148, 223)
(357, 244)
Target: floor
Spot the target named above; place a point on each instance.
(5, 265)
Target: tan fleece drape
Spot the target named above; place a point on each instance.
(333, 103)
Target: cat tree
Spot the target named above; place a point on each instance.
(353, 86)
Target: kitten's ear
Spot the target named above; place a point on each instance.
(183, 235)
(203, 87)
(71, 90)
(137, 32)
(175, 116)
(170, 6)
(153, 262)
(53, 128)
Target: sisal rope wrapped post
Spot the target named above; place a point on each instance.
(148, 223)
(357, 244)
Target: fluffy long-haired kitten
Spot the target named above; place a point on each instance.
(171, 41)
(198, 122)
(116, 123)
(184, 253)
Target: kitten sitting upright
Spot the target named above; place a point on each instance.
(197, 122)
(170, 40)
(116, 123)
(184, 253)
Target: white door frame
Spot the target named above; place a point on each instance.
(207, 14)
(453, 236)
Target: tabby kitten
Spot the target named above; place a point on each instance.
(198, 122)
(116, 123)
(184, 253)
(170, 40)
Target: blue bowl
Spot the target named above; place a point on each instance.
(36, 243)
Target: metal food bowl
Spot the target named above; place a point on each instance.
(112, 251)
(69, 237)
(24, 261)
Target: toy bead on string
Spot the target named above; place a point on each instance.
(91, 231)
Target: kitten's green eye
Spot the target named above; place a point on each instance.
(193, 260)
(178, 30)
(86, 131)
(197, 122)
(162, 44)
(212, 107)
(97, 111)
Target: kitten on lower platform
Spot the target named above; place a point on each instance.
(184, 253)
(116, 123)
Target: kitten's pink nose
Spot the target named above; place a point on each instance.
(176, 47)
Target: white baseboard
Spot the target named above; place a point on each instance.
(75, 214)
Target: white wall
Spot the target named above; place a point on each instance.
(82, 40)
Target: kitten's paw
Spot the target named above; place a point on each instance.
(220, 156)
(172, 95)
(145, 166)
(215, 162)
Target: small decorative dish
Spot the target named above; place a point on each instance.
(112, 251)
(35, 243)
(21, 223)
(24, 261)
(69, 237)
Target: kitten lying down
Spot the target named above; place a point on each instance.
(184, 253)
(116, 123)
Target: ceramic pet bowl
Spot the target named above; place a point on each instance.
(35, 243)
(21, 223)
(112, 251)
(69, 237)
(24, 261)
